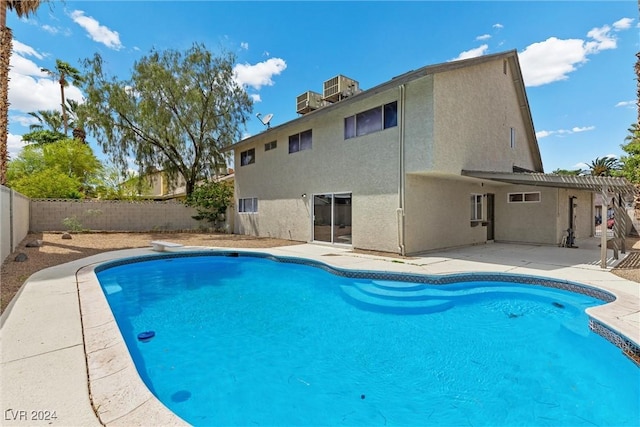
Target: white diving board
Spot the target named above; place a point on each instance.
(160, 246)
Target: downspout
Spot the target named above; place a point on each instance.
(401, 171)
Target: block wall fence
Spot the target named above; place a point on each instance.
(111, 215)
(20, 215)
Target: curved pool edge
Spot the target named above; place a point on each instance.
(110, 365)
(618, 315)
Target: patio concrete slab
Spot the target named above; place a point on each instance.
(42, 330)
(54, 384)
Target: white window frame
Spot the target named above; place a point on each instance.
(248, 205)
(476, 203)
(271, 145)
(523, 199)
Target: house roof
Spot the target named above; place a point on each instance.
(511, 56)
(589, 183)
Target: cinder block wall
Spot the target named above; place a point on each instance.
(108, 215)
(14, 219)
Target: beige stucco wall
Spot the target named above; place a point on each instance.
(544, 222)
(474, 110)
(365, 166)
(438, 213)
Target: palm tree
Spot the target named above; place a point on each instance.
(51, 118)
(603, 166)
(61, 72)
(22, 8)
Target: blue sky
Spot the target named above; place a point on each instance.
(577, 57)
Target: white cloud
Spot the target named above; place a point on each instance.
(561, 132)
(581, 165)
(611, 156)
(31, 89)
(472, 53)
(23, 49)
(260, 74)
(554, 59)
(244, 45)
(50, 29)
(582, 129)
(14, 145)
(602, 40)
(256, 97)
(498, 26)
(623, 24)
(97, 32)
(630, 104)
(23, 120)
(483, 37)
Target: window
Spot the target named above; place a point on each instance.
(476, 207)
(300, 141)
(513, 138)
(248, 157)
(270, 145)
(373, 120)
(533, 197)
(248, 205)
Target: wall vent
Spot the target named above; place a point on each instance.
(308, 101)
(338, 88)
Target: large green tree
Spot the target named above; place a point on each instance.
(66, 169)
(64, 72)
(21, 8)
(630, 163)
(176, 113)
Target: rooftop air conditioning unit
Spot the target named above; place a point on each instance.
(308, 101)
(339, 87)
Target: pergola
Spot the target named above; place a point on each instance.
(603, 185)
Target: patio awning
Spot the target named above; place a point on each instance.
(589, 183)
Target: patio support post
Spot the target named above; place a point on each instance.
(603, 228)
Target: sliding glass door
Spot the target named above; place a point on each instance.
(332, 218)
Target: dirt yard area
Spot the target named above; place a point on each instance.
(54, 250)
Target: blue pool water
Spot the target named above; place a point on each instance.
(251, 341)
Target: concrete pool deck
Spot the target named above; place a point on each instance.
(58, 332)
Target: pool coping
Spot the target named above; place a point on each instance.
(118, 396)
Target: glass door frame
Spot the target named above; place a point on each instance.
(332, 225)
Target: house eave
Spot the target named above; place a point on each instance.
(588, 183)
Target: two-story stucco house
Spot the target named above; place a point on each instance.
(428, 160)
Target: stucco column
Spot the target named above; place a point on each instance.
(603, 228)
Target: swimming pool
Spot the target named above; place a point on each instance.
(233, 346)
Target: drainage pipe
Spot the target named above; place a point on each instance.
(401, 171)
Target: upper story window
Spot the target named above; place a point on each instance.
(248, 157)
(300, 141)
(513, 138)
(373, 120)
(270, 145)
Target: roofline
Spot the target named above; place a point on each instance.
(583, 182)
(414, 75)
